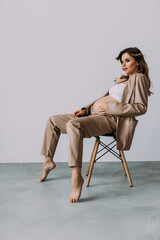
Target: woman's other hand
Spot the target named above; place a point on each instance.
(79, 113)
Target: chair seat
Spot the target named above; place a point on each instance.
(112, 134)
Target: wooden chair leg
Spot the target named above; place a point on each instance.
(91, 164)
(123, 164)
(91, 158)
(126, 168)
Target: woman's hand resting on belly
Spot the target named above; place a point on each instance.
(99, 107)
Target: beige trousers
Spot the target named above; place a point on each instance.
(76, 129)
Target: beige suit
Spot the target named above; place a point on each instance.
(120, 117)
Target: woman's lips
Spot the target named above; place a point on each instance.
(124, 69)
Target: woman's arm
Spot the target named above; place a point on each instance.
(87, 109)
(128, 109)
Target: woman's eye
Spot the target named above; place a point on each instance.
(125, 61)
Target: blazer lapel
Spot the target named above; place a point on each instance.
(119, 80)
(128, 89)
(127, 92)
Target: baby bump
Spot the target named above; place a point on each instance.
(101, 101)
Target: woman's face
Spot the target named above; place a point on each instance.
(129, 64)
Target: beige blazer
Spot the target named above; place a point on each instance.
(134, 103)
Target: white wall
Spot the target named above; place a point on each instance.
(57, 56)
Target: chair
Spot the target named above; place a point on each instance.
(106, 149)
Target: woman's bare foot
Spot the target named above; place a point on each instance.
(76, 187)
(48, 165)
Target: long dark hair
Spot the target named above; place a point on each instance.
(139, 57)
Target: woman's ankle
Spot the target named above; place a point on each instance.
(48, 159)
(76, 172)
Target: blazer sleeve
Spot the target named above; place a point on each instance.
(87, 109)
(139, 107)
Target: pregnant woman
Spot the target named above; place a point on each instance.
(115, 111)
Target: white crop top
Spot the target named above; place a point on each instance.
(117, 91)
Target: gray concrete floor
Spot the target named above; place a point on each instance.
(108, 209)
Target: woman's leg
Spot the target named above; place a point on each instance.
(55, 126)
(77, 129)
(85, 127)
